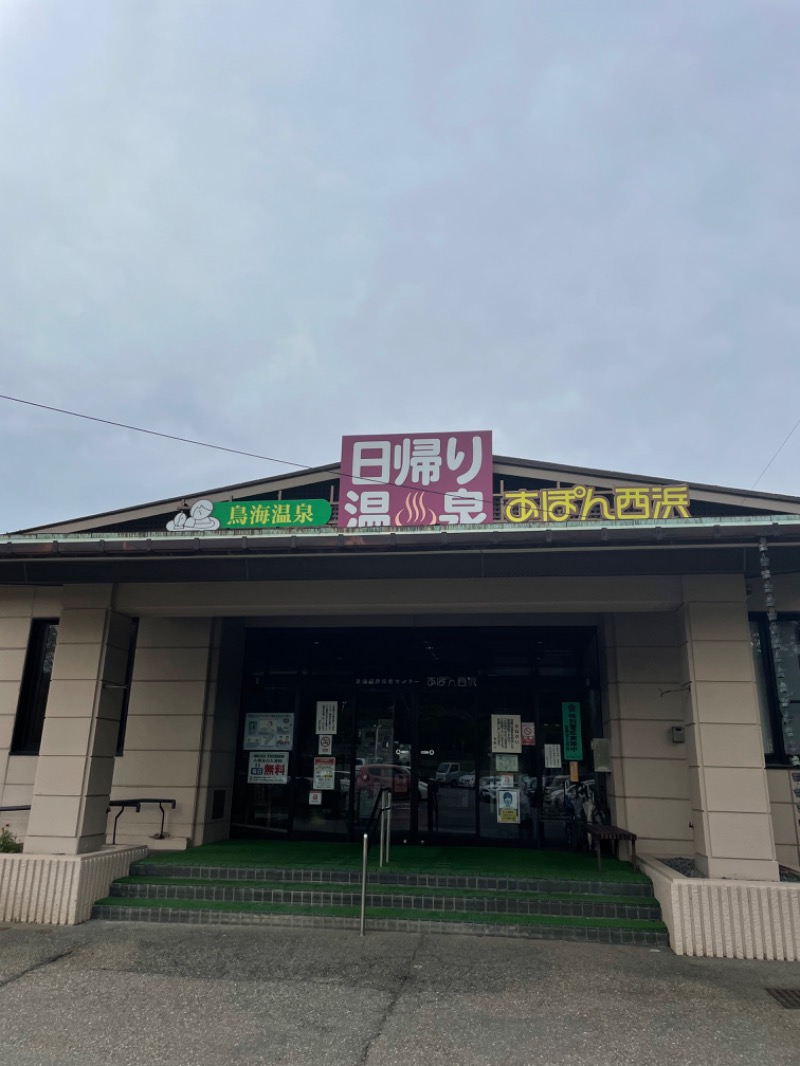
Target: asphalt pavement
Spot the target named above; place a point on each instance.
(109, 994)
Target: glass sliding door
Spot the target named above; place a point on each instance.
(262, 793)
(413, 713)
(565, 761)
(500, 819)
(445, 762)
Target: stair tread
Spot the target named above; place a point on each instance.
(378, 889)
(255, 875)
(565, 921)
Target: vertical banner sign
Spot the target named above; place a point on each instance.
(327, 713)
(425, 479)
(574, 772)
(573, 741)
(507, 733)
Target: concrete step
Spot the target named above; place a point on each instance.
(336, 895)
(542, 927)
(387, 876)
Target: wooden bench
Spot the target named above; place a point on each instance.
(599, 833)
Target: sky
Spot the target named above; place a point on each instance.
(266, 224)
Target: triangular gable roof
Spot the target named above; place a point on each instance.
(506, 469)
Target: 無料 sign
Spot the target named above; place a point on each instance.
(268, 768)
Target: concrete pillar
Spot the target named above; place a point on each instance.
(730, 799)
(76, 758)
(649, 785)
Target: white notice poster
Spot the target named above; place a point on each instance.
(268, 731)
(507, 733)
(506, 764)
(324, 774)
(327, 713)
(508, 805)
(552, 756)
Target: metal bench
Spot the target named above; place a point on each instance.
(599, 833)
(137, 806)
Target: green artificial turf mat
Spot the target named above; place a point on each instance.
(395, 890)
(644, 924)
(446, 861)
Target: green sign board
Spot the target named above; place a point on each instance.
(251, 514)
(267, 514)
(573, 740)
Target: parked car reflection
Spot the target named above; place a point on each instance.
(373, 776)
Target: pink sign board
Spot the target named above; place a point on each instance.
(421, 479)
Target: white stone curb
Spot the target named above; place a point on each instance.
(60, 889)
(727, 919)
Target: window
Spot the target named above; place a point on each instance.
(123, 714)
(781, 735)
(35, 687)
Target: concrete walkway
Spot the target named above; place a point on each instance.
(104, 994)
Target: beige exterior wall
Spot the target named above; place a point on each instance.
(649, 785)
(460, 597)
(165, 729)
(730, 801)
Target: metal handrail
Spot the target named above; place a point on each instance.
(375, 813)
(382, 813)
(136, 804)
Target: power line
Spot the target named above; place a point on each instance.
(270, 458)
(188, 440)
(777, 453)
(154, 432)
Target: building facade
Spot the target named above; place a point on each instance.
(500, 648)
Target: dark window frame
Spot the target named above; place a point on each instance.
(126, 696)
(34, 690)
(778, 758)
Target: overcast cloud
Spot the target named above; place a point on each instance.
(267, 224)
